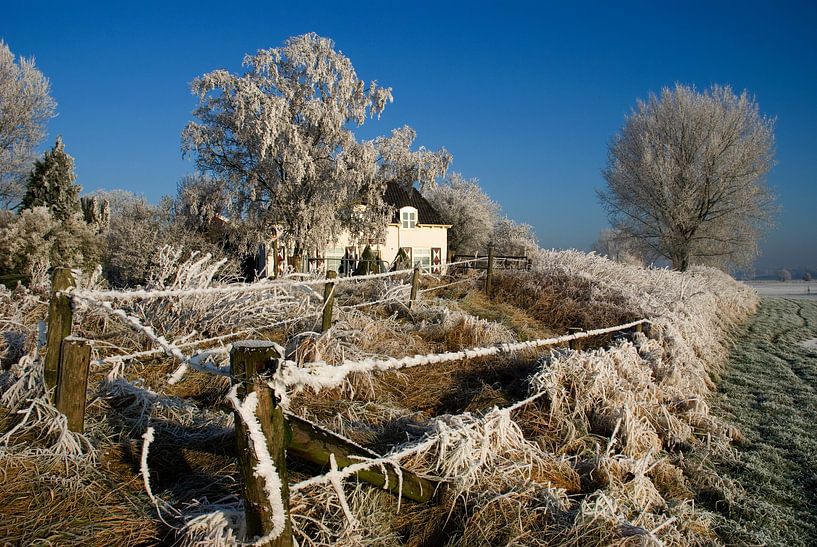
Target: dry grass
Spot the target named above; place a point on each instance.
(43, 502)
(602, 458)
(523, 324)
(560, 300)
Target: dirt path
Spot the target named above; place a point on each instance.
(769, 391)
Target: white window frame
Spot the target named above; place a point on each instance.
(408, 218)
(332, 257)
(422, 257)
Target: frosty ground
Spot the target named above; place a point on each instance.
(769, 391)
(786, 289)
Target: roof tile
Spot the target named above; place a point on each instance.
(399, 196)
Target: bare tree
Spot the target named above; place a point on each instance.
(686, 176)
(280, 137)
(25, 107)
(471, 213)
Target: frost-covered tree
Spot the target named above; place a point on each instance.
(783, 275)
(36, 240)
(201, 201)
(397, 162)
(117, 199)
(280, 137)
(25, 107)
(619, 247)
(202, 214)
(97, 214)
(51, 184)
(138, 230)
(686, 176)
(471, 213)
(512, 238)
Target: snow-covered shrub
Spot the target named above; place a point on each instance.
(20, 310)
(35, 240)
(512, 238)
(138, 232)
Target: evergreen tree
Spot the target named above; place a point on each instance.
(367, 263)
(51, 184)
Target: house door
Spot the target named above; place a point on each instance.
(436, 259)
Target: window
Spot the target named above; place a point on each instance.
(333, 256)
(422, 258)
(408, 218)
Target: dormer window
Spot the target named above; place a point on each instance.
(408, 218)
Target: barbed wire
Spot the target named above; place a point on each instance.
(321, 375)
(466, 280)
(150, 294)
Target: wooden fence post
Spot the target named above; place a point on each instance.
(645, 328)
(60, 316)
(489, 273)
(251, 362)
(415, 282)
(575, 344)
(72, 381)
(328, 301)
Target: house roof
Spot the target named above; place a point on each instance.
(397, 195)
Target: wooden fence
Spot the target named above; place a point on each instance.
(500, 262)
(254, 364)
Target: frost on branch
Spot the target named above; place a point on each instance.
(686, 176)
(471, 213)
(280, 136)
(25, 107)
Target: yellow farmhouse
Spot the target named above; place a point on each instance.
(415, 228)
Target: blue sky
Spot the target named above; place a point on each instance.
(525, 96)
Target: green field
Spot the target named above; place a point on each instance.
(769, 391)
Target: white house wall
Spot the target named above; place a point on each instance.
(421, 237)
(424, 237)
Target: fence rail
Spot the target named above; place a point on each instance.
(501, 262)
